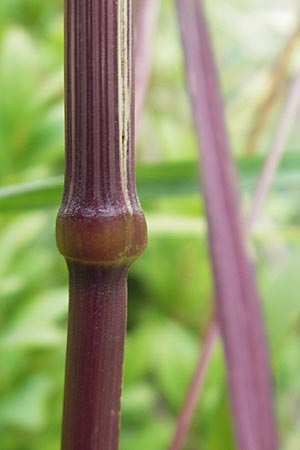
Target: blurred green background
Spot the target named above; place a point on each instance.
(170, 287)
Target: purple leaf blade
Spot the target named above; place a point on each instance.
(237, 302)
(264, 183)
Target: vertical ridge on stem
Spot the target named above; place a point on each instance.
(98, 103)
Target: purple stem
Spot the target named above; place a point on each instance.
(237, 303)
(100, 226)
(96, 332)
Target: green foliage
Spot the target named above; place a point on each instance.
(154, 181)
(170, 289)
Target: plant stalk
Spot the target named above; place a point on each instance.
(100, 226)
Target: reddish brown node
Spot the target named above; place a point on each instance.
(102, 240)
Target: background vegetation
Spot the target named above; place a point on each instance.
(170, 288)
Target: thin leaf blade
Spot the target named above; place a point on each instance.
(237, 300)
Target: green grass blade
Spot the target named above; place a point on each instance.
(154, 181)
